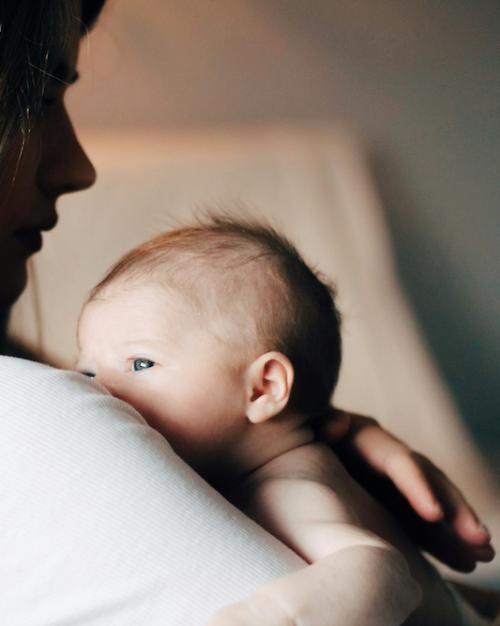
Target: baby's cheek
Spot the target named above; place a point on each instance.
(143, 401)
(168, 413)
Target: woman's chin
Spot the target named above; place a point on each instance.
(13, 284)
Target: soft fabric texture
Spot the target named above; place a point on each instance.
(102, 524)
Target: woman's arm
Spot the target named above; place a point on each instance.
(434, 511)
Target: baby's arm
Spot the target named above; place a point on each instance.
(355, 577)
(332, 592)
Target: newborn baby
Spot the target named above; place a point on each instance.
(229, 345)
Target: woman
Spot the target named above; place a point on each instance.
(40, 154)
(41, 159)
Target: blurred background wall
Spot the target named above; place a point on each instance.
(418, 81)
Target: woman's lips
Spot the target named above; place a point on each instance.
(31, 239)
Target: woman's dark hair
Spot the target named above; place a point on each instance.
(30, 32)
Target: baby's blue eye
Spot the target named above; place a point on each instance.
(142, 364)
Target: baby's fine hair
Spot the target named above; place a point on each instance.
(252, 289)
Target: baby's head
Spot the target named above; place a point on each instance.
(210, 329)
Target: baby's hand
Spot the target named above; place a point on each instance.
(255, 611)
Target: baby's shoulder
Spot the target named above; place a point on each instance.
(313, 462)
(297, 489)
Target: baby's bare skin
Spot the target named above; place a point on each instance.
(307, 499)
(225, 405)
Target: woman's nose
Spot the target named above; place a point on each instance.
(64, 165)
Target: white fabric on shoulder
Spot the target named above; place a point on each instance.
(101, 524)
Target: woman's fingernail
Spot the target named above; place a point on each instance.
(436, 510)
(485, 529)
(437, 507)
(476, 525)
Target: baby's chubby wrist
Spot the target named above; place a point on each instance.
(258, 609)
(307, 597)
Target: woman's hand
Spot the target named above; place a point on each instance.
(431, 508)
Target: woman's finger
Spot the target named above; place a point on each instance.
(433, 509)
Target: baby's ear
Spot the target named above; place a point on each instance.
(269, 381)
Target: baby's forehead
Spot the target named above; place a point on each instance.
(138, 303)
(220, 302)
(122, 316)
(146, 291)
